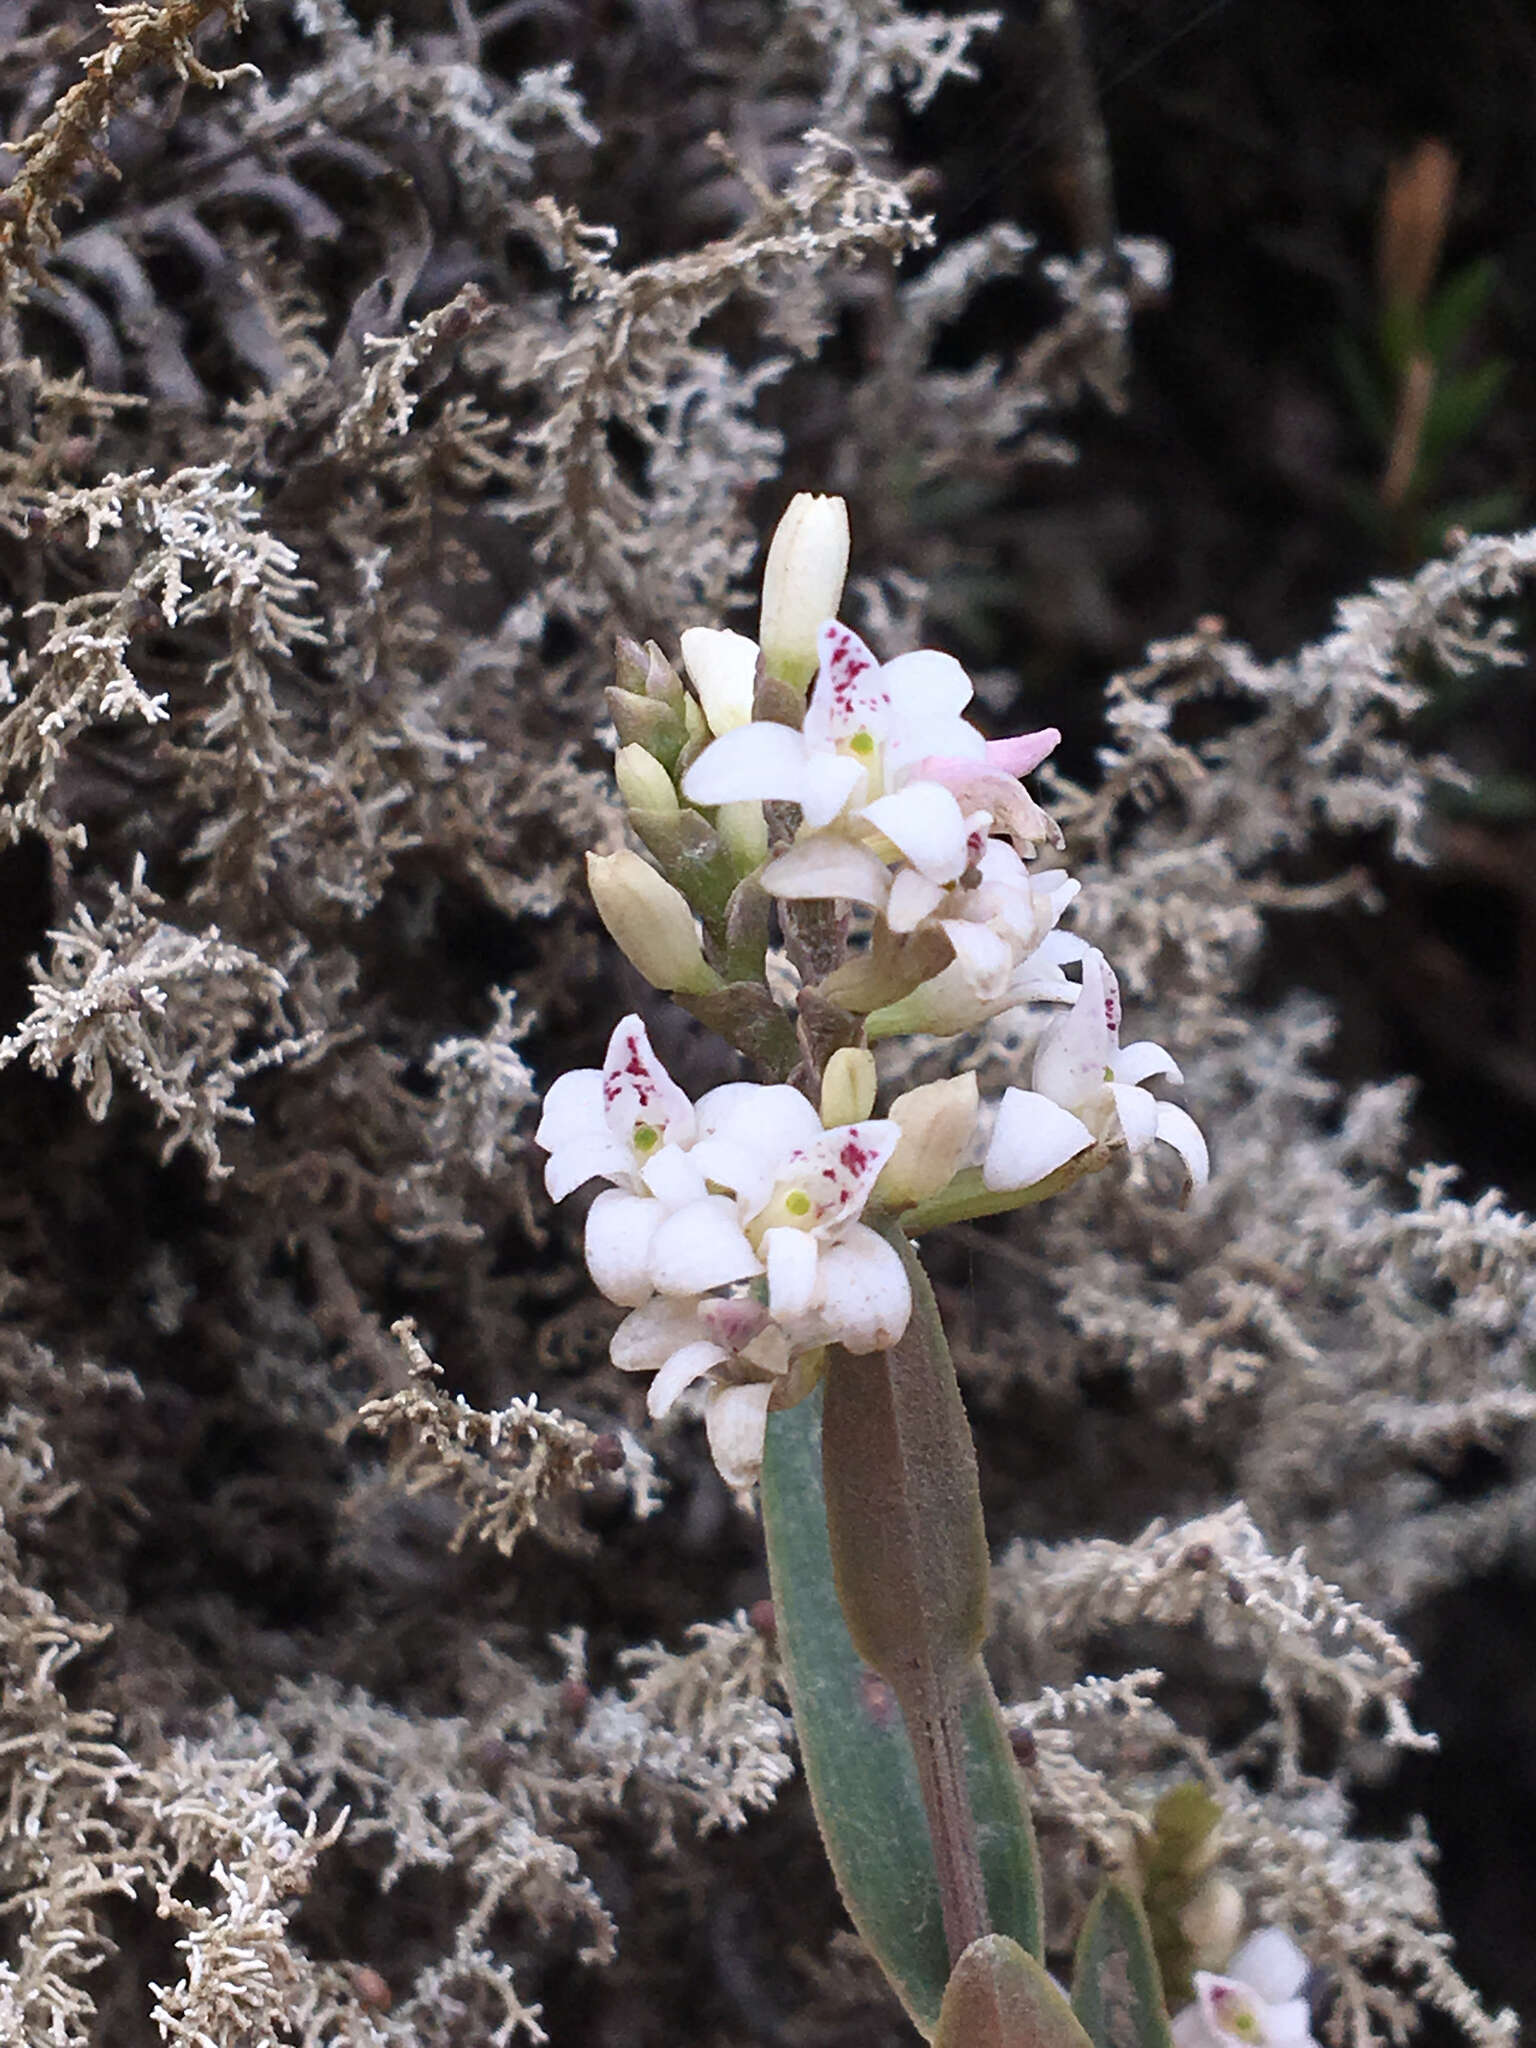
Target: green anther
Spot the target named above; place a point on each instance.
(862, 743)
(798, 1202)
(647, 1137)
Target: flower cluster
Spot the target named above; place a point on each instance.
(1257, 2003)
(730, 1231)
(799, 772)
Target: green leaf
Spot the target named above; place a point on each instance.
(999, 1997)
(858, 1759)
(1371, 402)
(1460, 301)
(1460, 405)
(1116, 1990)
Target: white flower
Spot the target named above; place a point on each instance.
(802, 583)
(885, 770)
(1086, 1092)
(1257, 2004)
(731, 1229)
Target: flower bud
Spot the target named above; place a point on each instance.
(722, 666)
(848, 1087)
(646, 672)
(744, 831)
(647, 722)
(643, 783)
(802, 584)
(937, 1123)
(649, 921)
(1212, 1922)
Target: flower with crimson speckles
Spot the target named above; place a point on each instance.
(730, 1230)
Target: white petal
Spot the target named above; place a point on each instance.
(926, 684)
(913, 897)
(700, 1247)
(673, 1176)
(1191, 2029)
(680, 1371)
(1176, 1127)
(758, 760)
(637, 1089)
(722, 666)
(983, 956)
(848, 695)
(1137, 1111)
(828, 866)
(1073, 1060)
(914, 743)
(774, 1118)
(830, 780)
(1288, 2024)
(790, 1256)
(1271, 1964)
(620, 1228)
(1032, 1137)
(649, 1335)
(862, 1292)
(573, 1109)
(736, 1419)
(566, 1169)
(839, 1170)
(1143, 1060)
(927, 824)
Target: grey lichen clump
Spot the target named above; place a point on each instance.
(347, 1700)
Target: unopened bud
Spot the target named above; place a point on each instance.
(802, 584)
(649, 921)
(722, 666)
(847, 1087)
(937, 1123)
(744, 831)
(647, 722)
(647, 672)
(1212, 1922)
(643, 783)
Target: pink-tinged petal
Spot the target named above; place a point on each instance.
(649, 1335)
(1143, 1061)
(679, 1372)
(981, 787)
(927, 825)
(839, 1171)
(1074, 1058)
(620, 1230)
(1270, 1963)
(673, 1176)
(722, 666)
(863, 1297)
(1032, 1137)
(701, 1247)
(735, 1321)
(831, 783)
(913, 743)
(827, 867)
(1234, 2013)
(736, 1422)
(1136, 1111)
(758, 761)
(1176, 1127)
(790, 1256)
(849, 694)
(1022, 754)
(926, 684)
(913, 897)
(637, 1089)
(983, 956)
